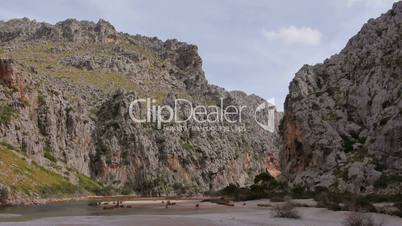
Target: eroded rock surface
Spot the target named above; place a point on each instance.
(79, 79)
(343, 118)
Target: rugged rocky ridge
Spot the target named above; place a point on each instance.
(69, 112)
(342, 127)
(185, 161)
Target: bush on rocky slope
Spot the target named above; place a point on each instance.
(6, 114)
(265, 186)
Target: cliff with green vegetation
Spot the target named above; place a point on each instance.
(64, 104)
(24, 181)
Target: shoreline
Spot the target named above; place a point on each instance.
(150, 211)
(94, 198)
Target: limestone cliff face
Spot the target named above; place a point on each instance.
(157, 162)
(78, 79)
(342, 127)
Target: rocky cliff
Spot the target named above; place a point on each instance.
(343, 118)
(65, 99)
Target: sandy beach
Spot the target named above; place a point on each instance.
(185, 213)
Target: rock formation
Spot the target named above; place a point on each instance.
(342, 127)
(79, 80)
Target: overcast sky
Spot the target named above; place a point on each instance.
(252, 45)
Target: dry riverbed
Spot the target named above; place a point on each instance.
(186, 212)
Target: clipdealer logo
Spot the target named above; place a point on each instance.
(211, 114)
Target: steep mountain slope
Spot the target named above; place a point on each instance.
(65, 99)
(343, 118)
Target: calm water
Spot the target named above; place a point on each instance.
(83, 209)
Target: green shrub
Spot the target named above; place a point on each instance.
(6, 114)
(267, 182)
(8, 146)
(342, 173)
(263, 177)
(265, 186)
(384, 198)
(348, 144)
(48, 154)
(352, 202)
(187, 146)
(385, 180)
(89, 184)
(95, 187)
(41, 100)
(62, 188)
(253, 193)
(126, 190)
(231, 190)
(105, 191)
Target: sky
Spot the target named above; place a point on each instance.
(255, 46)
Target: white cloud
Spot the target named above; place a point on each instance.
(295, 35)
(366, 3)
